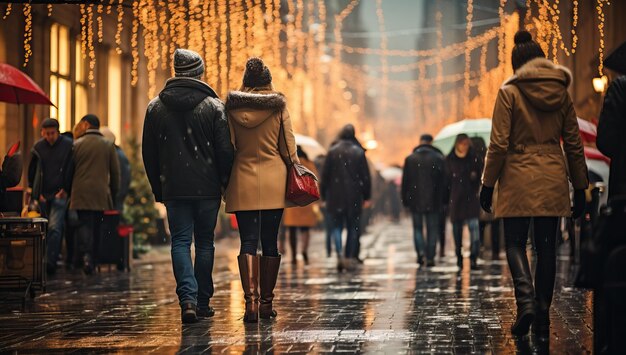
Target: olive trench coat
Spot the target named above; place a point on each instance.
(532, 114)
(258, 180)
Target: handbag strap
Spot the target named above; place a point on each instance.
(282, 129)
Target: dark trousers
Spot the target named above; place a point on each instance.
(351, 221)
(87, 234)
(193, 219)
(516, 237)
(255, 226)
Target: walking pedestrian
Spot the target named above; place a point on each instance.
(263, 138)
(47, 181)
(612, 126)
(465, 169)
(532, 115)
(346, 189)
(95, 180)
(188, 158)
(424, 192)
(301, 219)
(124, 170)
(319, 165)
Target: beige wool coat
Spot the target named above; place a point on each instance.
(532, 115)
(302, 216)
(258, 180)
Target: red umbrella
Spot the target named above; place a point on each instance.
(16, 87)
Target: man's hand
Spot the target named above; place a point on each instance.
(61, 194)
(367, 204)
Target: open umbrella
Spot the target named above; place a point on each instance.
(478, 127)
(311, 147)
(17, 88)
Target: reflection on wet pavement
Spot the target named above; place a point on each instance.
(386, 306)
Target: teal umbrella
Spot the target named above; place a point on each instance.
(473, 127)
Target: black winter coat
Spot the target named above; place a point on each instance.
(49, 168)
(464, 185)
(186, 146)
(612, 133)
(425, 180)
(346, 180)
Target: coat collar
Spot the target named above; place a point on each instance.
(260, 100)
(529, 70)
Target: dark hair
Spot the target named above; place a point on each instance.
(525, 49)
(426, 138)
(92, 119)
(459, 138)
(301, 153)
(50, 123)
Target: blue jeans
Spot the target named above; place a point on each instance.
(55, 208)
(432, 233)
(197, 219)
(457, 231)
(351, 223)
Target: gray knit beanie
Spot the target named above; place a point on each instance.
(188, 63)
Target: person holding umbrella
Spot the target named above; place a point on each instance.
(532, 114)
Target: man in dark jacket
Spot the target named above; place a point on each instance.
(425, 192)
(611, 133)
(465, 168)
(95, 174)
(188, 157)
(47, 176)
(346, 188)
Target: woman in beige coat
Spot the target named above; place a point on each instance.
(533, 113)
(301, 219)
(256, 190)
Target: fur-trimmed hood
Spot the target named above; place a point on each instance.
(543, 83)
(250, 109)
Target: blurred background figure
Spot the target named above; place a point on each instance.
(465, 170)
(346, 189)
(47, 178)
(301, 219)
(424, 192)
(124, 170)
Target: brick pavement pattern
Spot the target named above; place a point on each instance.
(388, 305)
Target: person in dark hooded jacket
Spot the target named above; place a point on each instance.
(532, 115)
(345, 188)
(188, 157)
(425, 192)
(611, 133)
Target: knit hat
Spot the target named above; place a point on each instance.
(187, 63)
(525, 49)
(256, 74)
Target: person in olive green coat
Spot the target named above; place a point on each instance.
(95, 174)
(533, 113)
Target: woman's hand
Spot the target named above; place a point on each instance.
(486, 197)
(579, 204)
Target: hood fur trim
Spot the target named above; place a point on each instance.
(528, 70)
(270, 100)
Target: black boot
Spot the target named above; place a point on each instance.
(293, 244)
(524, 292)
(188, 313)
(544, 286)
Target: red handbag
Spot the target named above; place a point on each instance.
(302, 188)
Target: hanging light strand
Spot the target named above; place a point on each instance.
(383, 58)
(7, 12)
(120, 26)
(28, 32)
(90, 46)
(600, 9)
(468, 57)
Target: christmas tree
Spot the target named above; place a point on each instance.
(139, 208)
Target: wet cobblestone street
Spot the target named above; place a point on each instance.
(387, 305)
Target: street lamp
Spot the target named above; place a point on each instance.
(600, 84)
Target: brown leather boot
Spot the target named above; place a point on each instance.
(268, 275)
(249, 273)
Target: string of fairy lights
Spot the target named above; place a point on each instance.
(292, 38)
